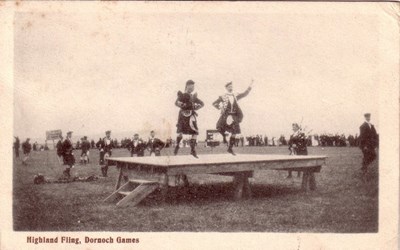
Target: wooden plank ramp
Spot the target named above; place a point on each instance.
(133, 192)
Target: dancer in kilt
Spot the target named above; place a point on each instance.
(231, 114)
(187, 119)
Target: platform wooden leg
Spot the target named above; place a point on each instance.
(118, 184)
(305, 180)
(246, 188)
(185, 181)
(164, 187)
(114, 195)
(241, 186)
(137, 195)
(312, 183)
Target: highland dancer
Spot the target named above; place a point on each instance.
(187, 122)
(231, 114)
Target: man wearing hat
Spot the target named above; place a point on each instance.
(136, 146)
(368, 141)
(297, 144)
(187, 122)
(231, 114)
(154, 145)
(68, 154)
(26, 148)
(105, 146)
(85, 147)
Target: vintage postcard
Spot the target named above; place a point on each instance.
(199, 125)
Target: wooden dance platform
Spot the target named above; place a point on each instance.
(140, 176)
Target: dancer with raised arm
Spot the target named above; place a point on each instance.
(231, 114)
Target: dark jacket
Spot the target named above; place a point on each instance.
(137, 149)
(188, 102)
(68, 155)
(59, 148)
(26, 147)
(85, 146)
(368, 137)
(67, 147)
(155, 145)
(300, 141)
(233, 110)
(102, 146)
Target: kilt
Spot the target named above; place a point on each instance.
(187, 125)
(103, 156)
(369, 156)
(223, 127)
(69, 159)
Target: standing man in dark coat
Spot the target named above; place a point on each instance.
(137, 146)
(105, 147)
(68, 154)
(368, 141)
(231, 114)
(16, 147)
(297, 144)
(187, 122)
(59, 147)
(154, 145)
(26, 148)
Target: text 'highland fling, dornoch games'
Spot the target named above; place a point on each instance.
(78, 240)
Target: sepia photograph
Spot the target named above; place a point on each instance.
(220, 117)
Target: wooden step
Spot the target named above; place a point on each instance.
(139, 181)
(124, 192)
(137, 195)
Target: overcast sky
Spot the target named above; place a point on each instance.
(90, 72)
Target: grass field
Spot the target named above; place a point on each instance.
(342, 202)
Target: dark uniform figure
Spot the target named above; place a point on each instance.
(85, 147)
(59, 147)
(68, 154)
(187, 121)
(26, 148)
(16, 147)
(297, 144)
(105, 147)
(231, 114)
(368, 141)
(137, 146)
(155, 145)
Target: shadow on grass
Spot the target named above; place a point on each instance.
(197, 194)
